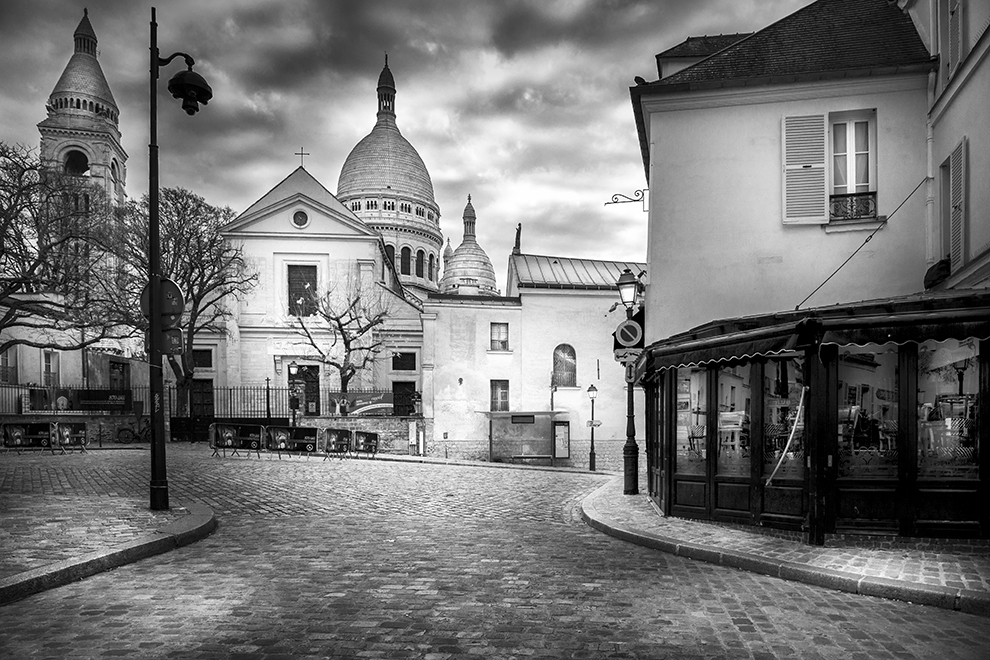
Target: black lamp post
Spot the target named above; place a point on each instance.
(629, 292)
(193, 90)
(592, 393)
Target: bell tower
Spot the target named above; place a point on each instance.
(80, 135)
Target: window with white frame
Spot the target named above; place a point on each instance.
(500, 336)
(50, 369)
(8, 367)
(829, 167)
(301, 285)
(500, 395)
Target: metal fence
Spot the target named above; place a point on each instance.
(199, 401)
(39, 399)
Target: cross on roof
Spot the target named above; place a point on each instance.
(302, 154)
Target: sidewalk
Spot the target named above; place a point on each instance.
(54, 540)
(940, 574)
(51, 541)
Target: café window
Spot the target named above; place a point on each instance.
(500, 395)
(948, 414)
(500, 336)
(301, 290)
(783, 426)
(691, 454)
(735, 399)
(867, 396)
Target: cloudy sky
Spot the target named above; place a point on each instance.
(524, 104)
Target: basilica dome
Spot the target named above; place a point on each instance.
(385, 183)
(469, 271)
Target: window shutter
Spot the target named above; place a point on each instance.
(805, 194)
(955, 37)
(957, 202)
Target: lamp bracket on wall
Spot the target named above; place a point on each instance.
(638, 196)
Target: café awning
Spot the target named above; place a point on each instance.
(939, 315)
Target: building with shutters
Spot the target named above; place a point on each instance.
(819, 196)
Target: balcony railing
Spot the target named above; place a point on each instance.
(854, 206)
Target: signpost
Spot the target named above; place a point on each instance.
(172, 305)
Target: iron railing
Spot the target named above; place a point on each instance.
(853, 206)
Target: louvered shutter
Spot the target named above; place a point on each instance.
(955, 38)
(805, 194)
(957, 205)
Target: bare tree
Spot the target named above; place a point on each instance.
(53, 235)
(344, 324)
(208, 269)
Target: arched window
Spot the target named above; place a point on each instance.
(430, 271)
(564, 366)
(76, 163)
(420, 258)
(404, 261)
(390, 253)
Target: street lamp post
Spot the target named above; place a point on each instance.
(592, 393)
(193, 90)
(629, 292)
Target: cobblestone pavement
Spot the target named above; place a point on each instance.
(378, 559)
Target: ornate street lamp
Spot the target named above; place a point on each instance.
(630, 291)
(193, 90)
(293, 368)
(592, 393)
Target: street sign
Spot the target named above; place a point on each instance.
(172, 341)
(627, 355)
(629, 333)
(630, 373)
(594, 422)
(172, 303)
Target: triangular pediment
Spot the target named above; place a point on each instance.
(299, 204)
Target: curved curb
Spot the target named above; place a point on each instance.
(962, 600)
(199, 524)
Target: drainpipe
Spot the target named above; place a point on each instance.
(930, 217)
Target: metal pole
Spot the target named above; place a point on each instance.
(159, 483)
(630, 451)
(591, 454)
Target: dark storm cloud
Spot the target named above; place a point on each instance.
(522, 103)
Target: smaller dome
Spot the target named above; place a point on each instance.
(468, 271)
(448, 252)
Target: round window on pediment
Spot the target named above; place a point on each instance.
(300, 219)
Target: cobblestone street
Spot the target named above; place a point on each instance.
(380, 559)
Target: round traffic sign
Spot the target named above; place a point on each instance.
(629, 333)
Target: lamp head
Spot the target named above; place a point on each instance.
(628, 288)
(592, 392)
(293, 368)
(192, 88)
